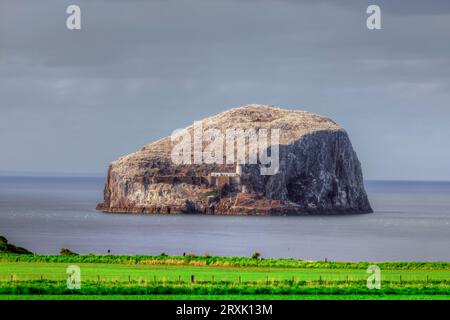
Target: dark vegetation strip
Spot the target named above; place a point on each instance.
(92, 288)
(220, 261)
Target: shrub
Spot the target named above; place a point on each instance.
(67, 252)
(256, 255)
(3, 239)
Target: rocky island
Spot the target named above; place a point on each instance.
(317, 170)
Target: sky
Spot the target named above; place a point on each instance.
(71, 101)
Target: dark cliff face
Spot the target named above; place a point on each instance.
(319, 173)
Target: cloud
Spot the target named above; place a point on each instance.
(139, 69)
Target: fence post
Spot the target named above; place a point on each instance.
(129, 278)
(267, 280)
(192, 278)
(400, 279)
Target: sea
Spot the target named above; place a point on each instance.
(411, 222)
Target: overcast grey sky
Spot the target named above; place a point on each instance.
(72, 101)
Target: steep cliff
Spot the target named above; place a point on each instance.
(318, 171)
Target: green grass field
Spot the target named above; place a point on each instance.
(223, 297)
(162, 277)
(168, 273)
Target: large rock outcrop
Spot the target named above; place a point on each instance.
(318, 172)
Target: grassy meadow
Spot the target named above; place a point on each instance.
(200, 277)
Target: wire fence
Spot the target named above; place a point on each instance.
(238, 279)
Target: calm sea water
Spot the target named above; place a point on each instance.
(411, 222)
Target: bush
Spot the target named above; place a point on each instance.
(3, 239)
(256, 255)
(67, 252)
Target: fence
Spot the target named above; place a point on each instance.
(211, 279)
